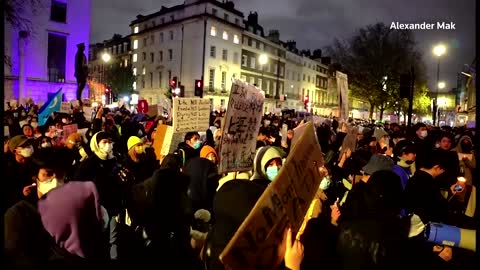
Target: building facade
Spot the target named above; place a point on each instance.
(42, 58)
(119, 52)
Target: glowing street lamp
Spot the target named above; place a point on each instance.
(438, 51)
(441, 85)
(106, 57)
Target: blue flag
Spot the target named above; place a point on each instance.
(54, 104)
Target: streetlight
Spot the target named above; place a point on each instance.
(441, 85)
(262, 60)
(438, 50)
(106, 57)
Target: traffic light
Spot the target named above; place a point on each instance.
(173, 82)
(199, 88)
(306, 100)
(405, 85)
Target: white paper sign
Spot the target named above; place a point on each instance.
(242, 123)
(66, 107)
(190, 114)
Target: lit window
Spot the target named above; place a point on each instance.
(235, 39)
(143, 71)
(134, 71)
(135, 44)
(225, 35)
(135, 29)
(213, 31)
(134, 85)
(134, 57)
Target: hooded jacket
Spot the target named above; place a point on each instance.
(466, 166)
(263, 156)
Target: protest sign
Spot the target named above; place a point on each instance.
(66, 107)
(190, 114)
(350, 140)
(298, 132)
(257, 244)
(167, 141)
(67, 130)
(342, 86)
(6, 131)
(284, 133)
(75, 103)
(163, 138)
(242, 123)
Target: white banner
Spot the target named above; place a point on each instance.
(190, 114)
(242, 123)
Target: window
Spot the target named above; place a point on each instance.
(225, 55)
(213, 31)
(135, 29)
(243, 78)
(172, 18)
(170, 54)
(152, 39)
(160, 79)
(214, 12)
(281, 71)
(134, 57)
(267, 90)
(143, 81)
(57, 56)
(161, 37)
(162, 20)
(161, 56)
(249, 41)
(211, 79)
(144, 70)
(244, 60)
(225, 17)
(145, 42)
(274, 88)
(308, 78)
(224, 80)
(134, 85)
(288, 73)
(254, 43)
(213, 51)
(58, 12)
(258, 45)
(152, 57)
(237, 21)
(144, 56)
(260, 83)
(235, 39)
(298, 76)
(169, 75)
(135, 71)
(253, 62)
(262, 47)
(171, 35)
(225, 35)
(135, 44)
(222, 102)
(252, 80)
(153, 24)
(151, 79)
(275, 69)
(304, 77)
(235, 57)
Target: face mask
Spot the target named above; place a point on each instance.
(197, 145)
(423, 134)
(325, 183)
(266, 122)
(46, 145)
(26, 152)
(34, 124)
(272, 172)
(405, 163)
(275, 124)
(106, 148)
(45, 187)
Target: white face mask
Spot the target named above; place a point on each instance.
(325, 183)
(266, 122)
(34, 124)
(423, 134)
(46, 145)
(26, 152)
(45, 187)
(106, 148)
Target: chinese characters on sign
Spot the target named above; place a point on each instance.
(190, 114)
(242, 122)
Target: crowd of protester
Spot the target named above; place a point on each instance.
(101, 198)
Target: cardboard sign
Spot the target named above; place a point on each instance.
(75, 103)
(297, 133)
(257, 243)
(6, 131)
(350, 140)
(190, 114)
(162, 139)
(242, 123)
(67, 130)
(167, 141)
(66, 107)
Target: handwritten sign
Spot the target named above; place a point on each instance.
(190, 114)
(350, 140)
(66, 107)
(257, 243)
(242, 123)
(67, 130)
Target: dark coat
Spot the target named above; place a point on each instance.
(203, 183)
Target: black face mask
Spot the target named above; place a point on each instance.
(466, 147)
(409, 162)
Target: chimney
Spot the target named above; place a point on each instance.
(317, 54)
(291, 45)
(274, 36)
(253, 18)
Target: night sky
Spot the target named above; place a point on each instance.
(314, 24)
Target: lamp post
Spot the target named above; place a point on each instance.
(262, 60)
(442, 101)
(438, 50)
(106, 57)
